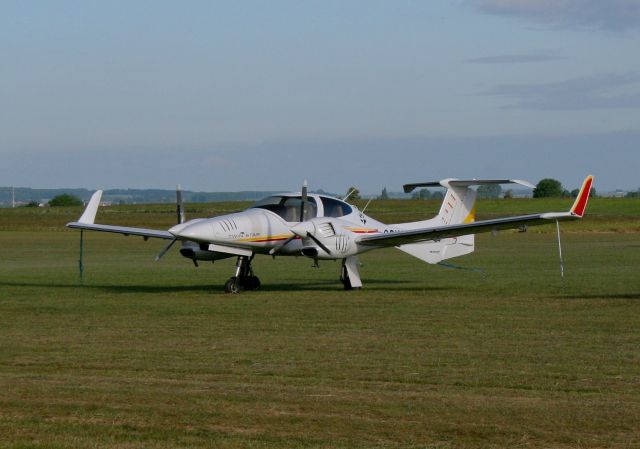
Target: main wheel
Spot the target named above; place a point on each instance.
(344, 278)
(251, 283)
(231, 286)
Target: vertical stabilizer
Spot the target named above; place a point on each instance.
(458, 206)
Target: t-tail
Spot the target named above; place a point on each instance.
(458, 207)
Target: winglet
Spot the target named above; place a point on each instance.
(580, 205)
(89, 215)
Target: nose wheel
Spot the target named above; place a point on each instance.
(244, 279)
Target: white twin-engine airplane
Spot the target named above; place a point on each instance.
(322, 227)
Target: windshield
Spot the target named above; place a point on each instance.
(287, 207)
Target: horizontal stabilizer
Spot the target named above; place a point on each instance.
(436, 252)
(408, 188)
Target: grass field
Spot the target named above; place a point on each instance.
(154, 355)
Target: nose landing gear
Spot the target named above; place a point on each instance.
(244, 279)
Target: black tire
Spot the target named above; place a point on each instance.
(231, 286)
(252, 283)
(344, 278)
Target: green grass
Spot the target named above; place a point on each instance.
(149, 354)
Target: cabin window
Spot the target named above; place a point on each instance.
(335, 208)
(288, 207)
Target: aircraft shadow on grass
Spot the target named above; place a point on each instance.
(324, 286)
(602, 296)
(113, 288)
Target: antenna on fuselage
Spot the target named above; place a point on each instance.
(367, 205)
(349, 194)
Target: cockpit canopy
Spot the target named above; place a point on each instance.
(288, 207)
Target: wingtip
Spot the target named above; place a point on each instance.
(89, 215)
(580, 205)
(522, 182)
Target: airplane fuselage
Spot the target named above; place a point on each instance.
(276, 220)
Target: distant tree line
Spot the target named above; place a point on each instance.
(635, 194)
(65, 200)
(552, 188)
(24, 195)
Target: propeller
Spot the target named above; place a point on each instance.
(304, 229)
(180, 214)
(167, 248)
(179, 206)
(276, 249)
(319, 243)
(304, 200)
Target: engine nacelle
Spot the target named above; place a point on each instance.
(197, 252)
(331, 233)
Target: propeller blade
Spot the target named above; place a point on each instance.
(305, 229)
(319, 243)
(304, 200)
(179, 206)
(277, 249)
(164, 251)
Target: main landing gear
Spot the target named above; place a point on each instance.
(244, 279)
(349, 275)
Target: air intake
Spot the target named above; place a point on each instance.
(326, 229)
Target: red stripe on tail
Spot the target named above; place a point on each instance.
(580, 204)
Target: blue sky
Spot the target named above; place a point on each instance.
(261, 95)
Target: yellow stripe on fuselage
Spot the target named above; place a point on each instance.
(362, 230)
(264, 239)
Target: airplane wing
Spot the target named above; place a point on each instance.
(456, 230)
(86, 222)
(143, 232)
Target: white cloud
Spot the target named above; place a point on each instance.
(612, 15)
(516, 58)
(605, 91)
